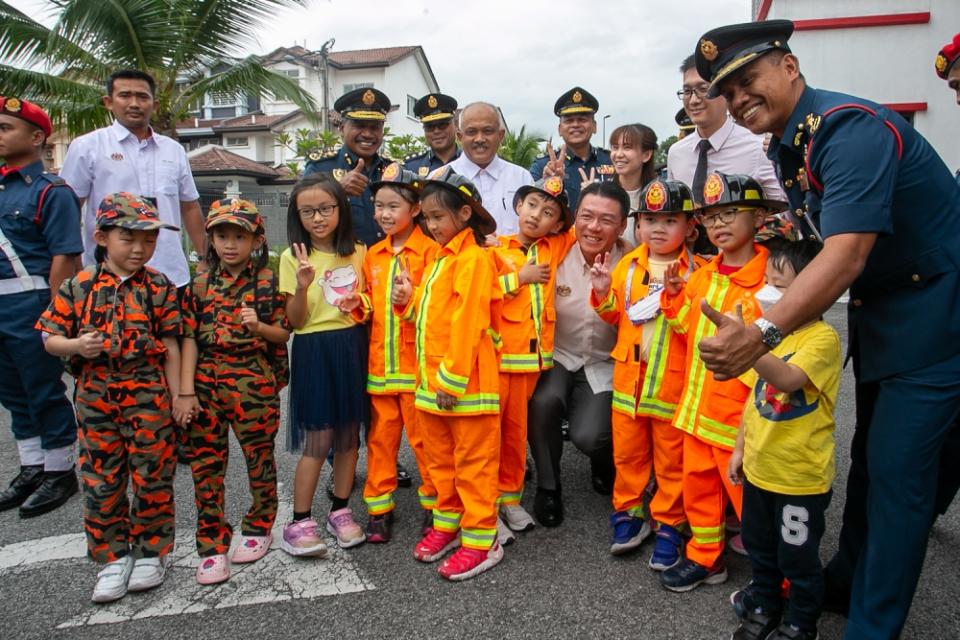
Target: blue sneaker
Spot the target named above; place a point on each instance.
(666, 552)
(687, 575)
(629, 532)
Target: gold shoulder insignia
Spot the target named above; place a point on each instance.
(314, 155)
(338, 174)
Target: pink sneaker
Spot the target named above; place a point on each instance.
(251, 549)
(736, 544)
(466, 563)
(435, 545)
(341, 526)
(213, 569)
(300, 539)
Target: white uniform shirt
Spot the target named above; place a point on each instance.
(497, 183)
(581, 338)
(734, 150)
(112, 159)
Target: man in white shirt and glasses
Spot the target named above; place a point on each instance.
(717, 143)
(130, 156)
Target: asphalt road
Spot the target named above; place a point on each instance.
(554, 583)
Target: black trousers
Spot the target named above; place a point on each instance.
(782, 534)
(566, 394)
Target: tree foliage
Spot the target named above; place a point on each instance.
(520, 148)
(63, 68)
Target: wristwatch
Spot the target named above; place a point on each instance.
(769, 333)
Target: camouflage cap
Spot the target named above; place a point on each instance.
(242, 213)
(129, 211)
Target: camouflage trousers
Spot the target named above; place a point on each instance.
(126, 438)
(237, 392)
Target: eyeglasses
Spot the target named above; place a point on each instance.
(725, 217)
(308, 213)
(700, 92)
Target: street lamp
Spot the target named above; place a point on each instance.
(604, 140)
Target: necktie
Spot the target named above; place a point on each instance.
(700, 175)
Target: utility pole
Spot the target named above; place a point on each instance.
(325, 77)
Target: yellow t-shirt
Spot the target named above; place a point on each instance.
(788, 443)
(657, 269)
(336, 276)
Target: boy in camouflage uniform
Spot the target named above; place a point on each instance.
(118, 323)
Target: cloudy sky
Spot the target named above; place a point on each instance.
(522, 54)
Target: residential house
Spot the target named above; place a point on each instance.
(882, 50)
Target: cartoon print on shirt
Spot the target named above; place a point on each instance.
(778, 406)
(337, 283)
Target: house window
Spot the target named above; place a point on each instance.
(347, 88)
(411, 101)
(293, 74)
(223, 99)
(238, 141)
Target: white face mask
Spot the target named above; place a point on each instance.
(646, 309)
(768, 296)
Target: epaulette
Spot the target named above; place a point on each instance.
(52, 178)
(316, 156)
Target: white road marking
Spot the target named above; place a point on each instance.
(274, 578)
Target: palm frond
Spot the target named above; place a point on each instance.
(27, 43)
(125, 33)
(222, 27)
(71, 104)
(249, 77)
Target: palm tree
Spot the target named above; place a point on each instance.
(521, 149)
(63, 68)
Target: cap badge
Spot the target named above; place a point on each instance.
(708, 50)
(432, 102)
(577, 97)
(941, 63)
(656, 197)
(368, 98)
(391, 172)
(553, 185)
(713, 189)
(12, 105)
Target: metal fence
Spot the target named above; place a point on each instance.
(273, 209)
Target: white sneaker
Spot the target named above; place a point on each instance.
(112, 580)
(147, 573)
(504, 535)
(516, 517)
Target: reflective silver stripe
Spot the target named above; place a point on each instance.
(27, 282)
(15, 285)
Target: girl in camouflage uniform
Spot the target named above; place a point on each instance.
(118, 323)
(234, 326)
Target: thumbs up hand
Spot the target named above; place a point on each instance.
(355, 180)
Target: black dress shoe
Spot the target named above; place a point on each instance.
(403, 477)
(548, 507)
(57, 487)
(602, 485)
(601, 476)
(21, 487)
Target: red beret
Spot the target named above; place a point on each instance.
(28, 111)
(947, 56)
